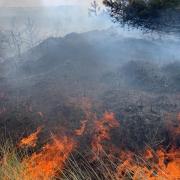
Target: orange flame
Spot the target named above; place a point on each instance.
(102, 131)
(153, 166)
(169, 163)
(31, 140)
(86, 106)
(45, 164)
(80, 131)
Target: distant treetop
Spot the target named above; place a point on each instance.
(153, 15)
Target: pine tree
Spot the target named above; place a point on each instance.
(153, 15)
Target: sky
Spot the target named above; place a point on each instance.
(27, 3)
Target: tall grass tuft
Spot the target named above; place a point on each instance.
(79, 167)
(11, 167)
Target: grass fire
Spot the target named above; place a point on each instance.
(89, 90)
(63, 158)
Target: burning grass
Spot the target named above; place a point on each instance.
(152, 165)
(31, 140)
(64, 158)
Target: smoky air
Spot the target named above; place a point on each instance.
(82, 97)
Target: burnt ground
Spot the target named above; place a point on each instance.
(45, 86)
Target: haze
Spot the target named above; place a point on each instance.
(34, 3)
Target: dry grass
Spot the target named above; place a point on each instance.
(11, 167)
(77, 167)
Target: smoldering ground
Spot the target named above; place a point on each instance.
(134, 76)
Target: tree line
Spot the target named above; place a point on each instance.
(149, 15)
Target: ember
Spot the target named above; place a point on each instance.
(31, 140)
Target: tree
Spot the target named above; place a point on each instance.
(22, 38)
(94, 9)
(30, 33)
(16, 38)
(153, 15)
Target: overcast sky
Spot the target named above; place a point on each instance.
(25, 3)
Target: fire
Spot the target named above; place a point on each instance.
(45, 164)
(86, 106)
(31, 140)
(80, 131)
(49, 162)
(169, 162)
(153, 165)
(102, 131)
